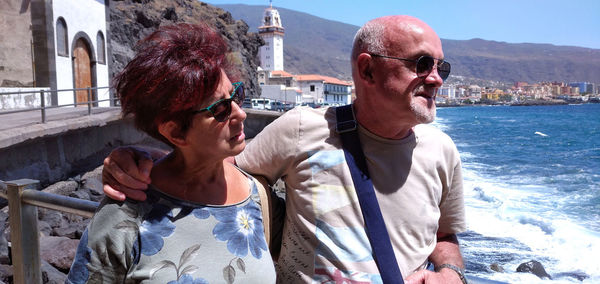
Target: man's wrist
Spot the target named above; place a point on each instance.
(458, 270)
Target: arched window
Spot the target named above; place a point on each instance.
(62, 43)
(101, 49)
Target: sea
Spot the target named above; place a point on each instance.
(532, 189)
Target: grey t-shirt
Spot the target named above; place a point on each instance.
(167, 240)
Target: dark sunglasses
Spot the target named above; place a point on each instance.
(221, 109)
(424, 65)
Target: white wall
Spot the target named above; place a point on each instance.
(30, 98)
(278, 93)
(317, 94)
(271, 54)
(87, 16)
(278, 53)
(266, 53)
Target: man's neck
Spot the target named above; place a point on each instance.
(383, 129)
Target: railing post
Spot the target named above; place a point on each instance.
(23, 234)
(89, 95)
(43, 106)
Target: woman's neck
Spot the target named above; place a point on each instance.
(200, 180)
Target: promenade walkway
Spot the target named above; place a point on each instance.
(19, 127)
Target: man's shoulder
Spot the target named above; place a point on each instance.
(428, 129)
(307, 117)
(428, 132)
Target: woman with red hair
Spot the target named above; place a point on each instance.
(200, 222)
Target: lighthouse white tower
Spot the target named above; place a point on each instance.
(271, 31)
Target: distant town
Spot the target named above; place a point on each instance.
(521, 93)
(281, 90)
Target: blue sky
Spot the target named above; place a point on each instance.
(558, 22)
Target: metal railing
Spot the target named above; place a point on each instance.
(23, 200)
(42, 108)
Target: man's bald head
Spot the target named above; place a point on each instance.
(379, 34)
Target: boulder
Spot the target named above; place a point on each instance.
(3, 202)
(81, 193)
(579, 275)
(44, 228)
(6, 273)
(51, 275)
(58, 251)
(4, 253)
(534, 267)
(52, 217)
(72, 230)
(92, 181)
(496, 267)
(62, 187)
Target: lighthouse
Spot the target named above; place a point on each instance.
(271, 31)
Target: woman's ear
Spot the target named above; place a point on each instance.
(172, 132)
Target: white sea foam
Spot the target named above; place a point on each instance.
(496, 209)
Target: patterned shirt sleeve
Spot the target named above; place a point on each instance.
(107, 247)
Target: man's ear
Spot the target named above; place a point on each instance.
(364, 63)
(172, 132)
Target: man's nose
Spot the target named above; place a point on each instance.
(434, 78)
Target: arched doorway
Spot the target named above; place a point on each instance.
(82, 70)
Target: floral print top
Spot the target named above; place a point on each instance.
(167, 240)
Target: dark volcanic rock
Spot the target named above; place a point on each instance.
(579, 275)
(534, 267)
(496, 267)
(4, 257)
(132, 20)
(58, 251)
(6, 273)
(51, 275)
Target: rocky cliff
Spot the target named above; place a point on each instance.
(132, 20)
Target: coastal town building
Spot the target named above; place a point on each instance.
(324, 89)
(584, 87)
(279, 85)
(271, 31)
(55, 45)
(519, 93)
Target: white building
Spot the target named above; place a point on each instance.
(281, 93)
(64, 41)
(271, 31)
(324, 89)
(448, 91)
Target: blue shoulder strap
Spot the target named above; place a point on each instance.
(378, 236)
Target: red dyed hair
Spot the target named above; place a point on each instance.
(175, 69)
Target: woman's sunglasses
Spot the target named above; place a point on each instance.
(424, 65)
(221, 109)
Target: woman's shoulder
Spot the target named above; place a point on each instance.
(112, 214)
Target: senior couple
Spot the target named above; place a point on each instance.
(199, 219)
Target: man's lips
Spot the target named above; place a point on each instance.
(425, 95)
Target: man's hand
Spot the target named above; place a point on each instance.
(126, 173)
(427, 276)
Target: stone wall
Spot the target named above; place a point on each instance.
(23, 98)
(15, 44)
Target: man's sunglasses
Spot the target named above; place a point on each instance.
(424, 65)
(221, 109)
